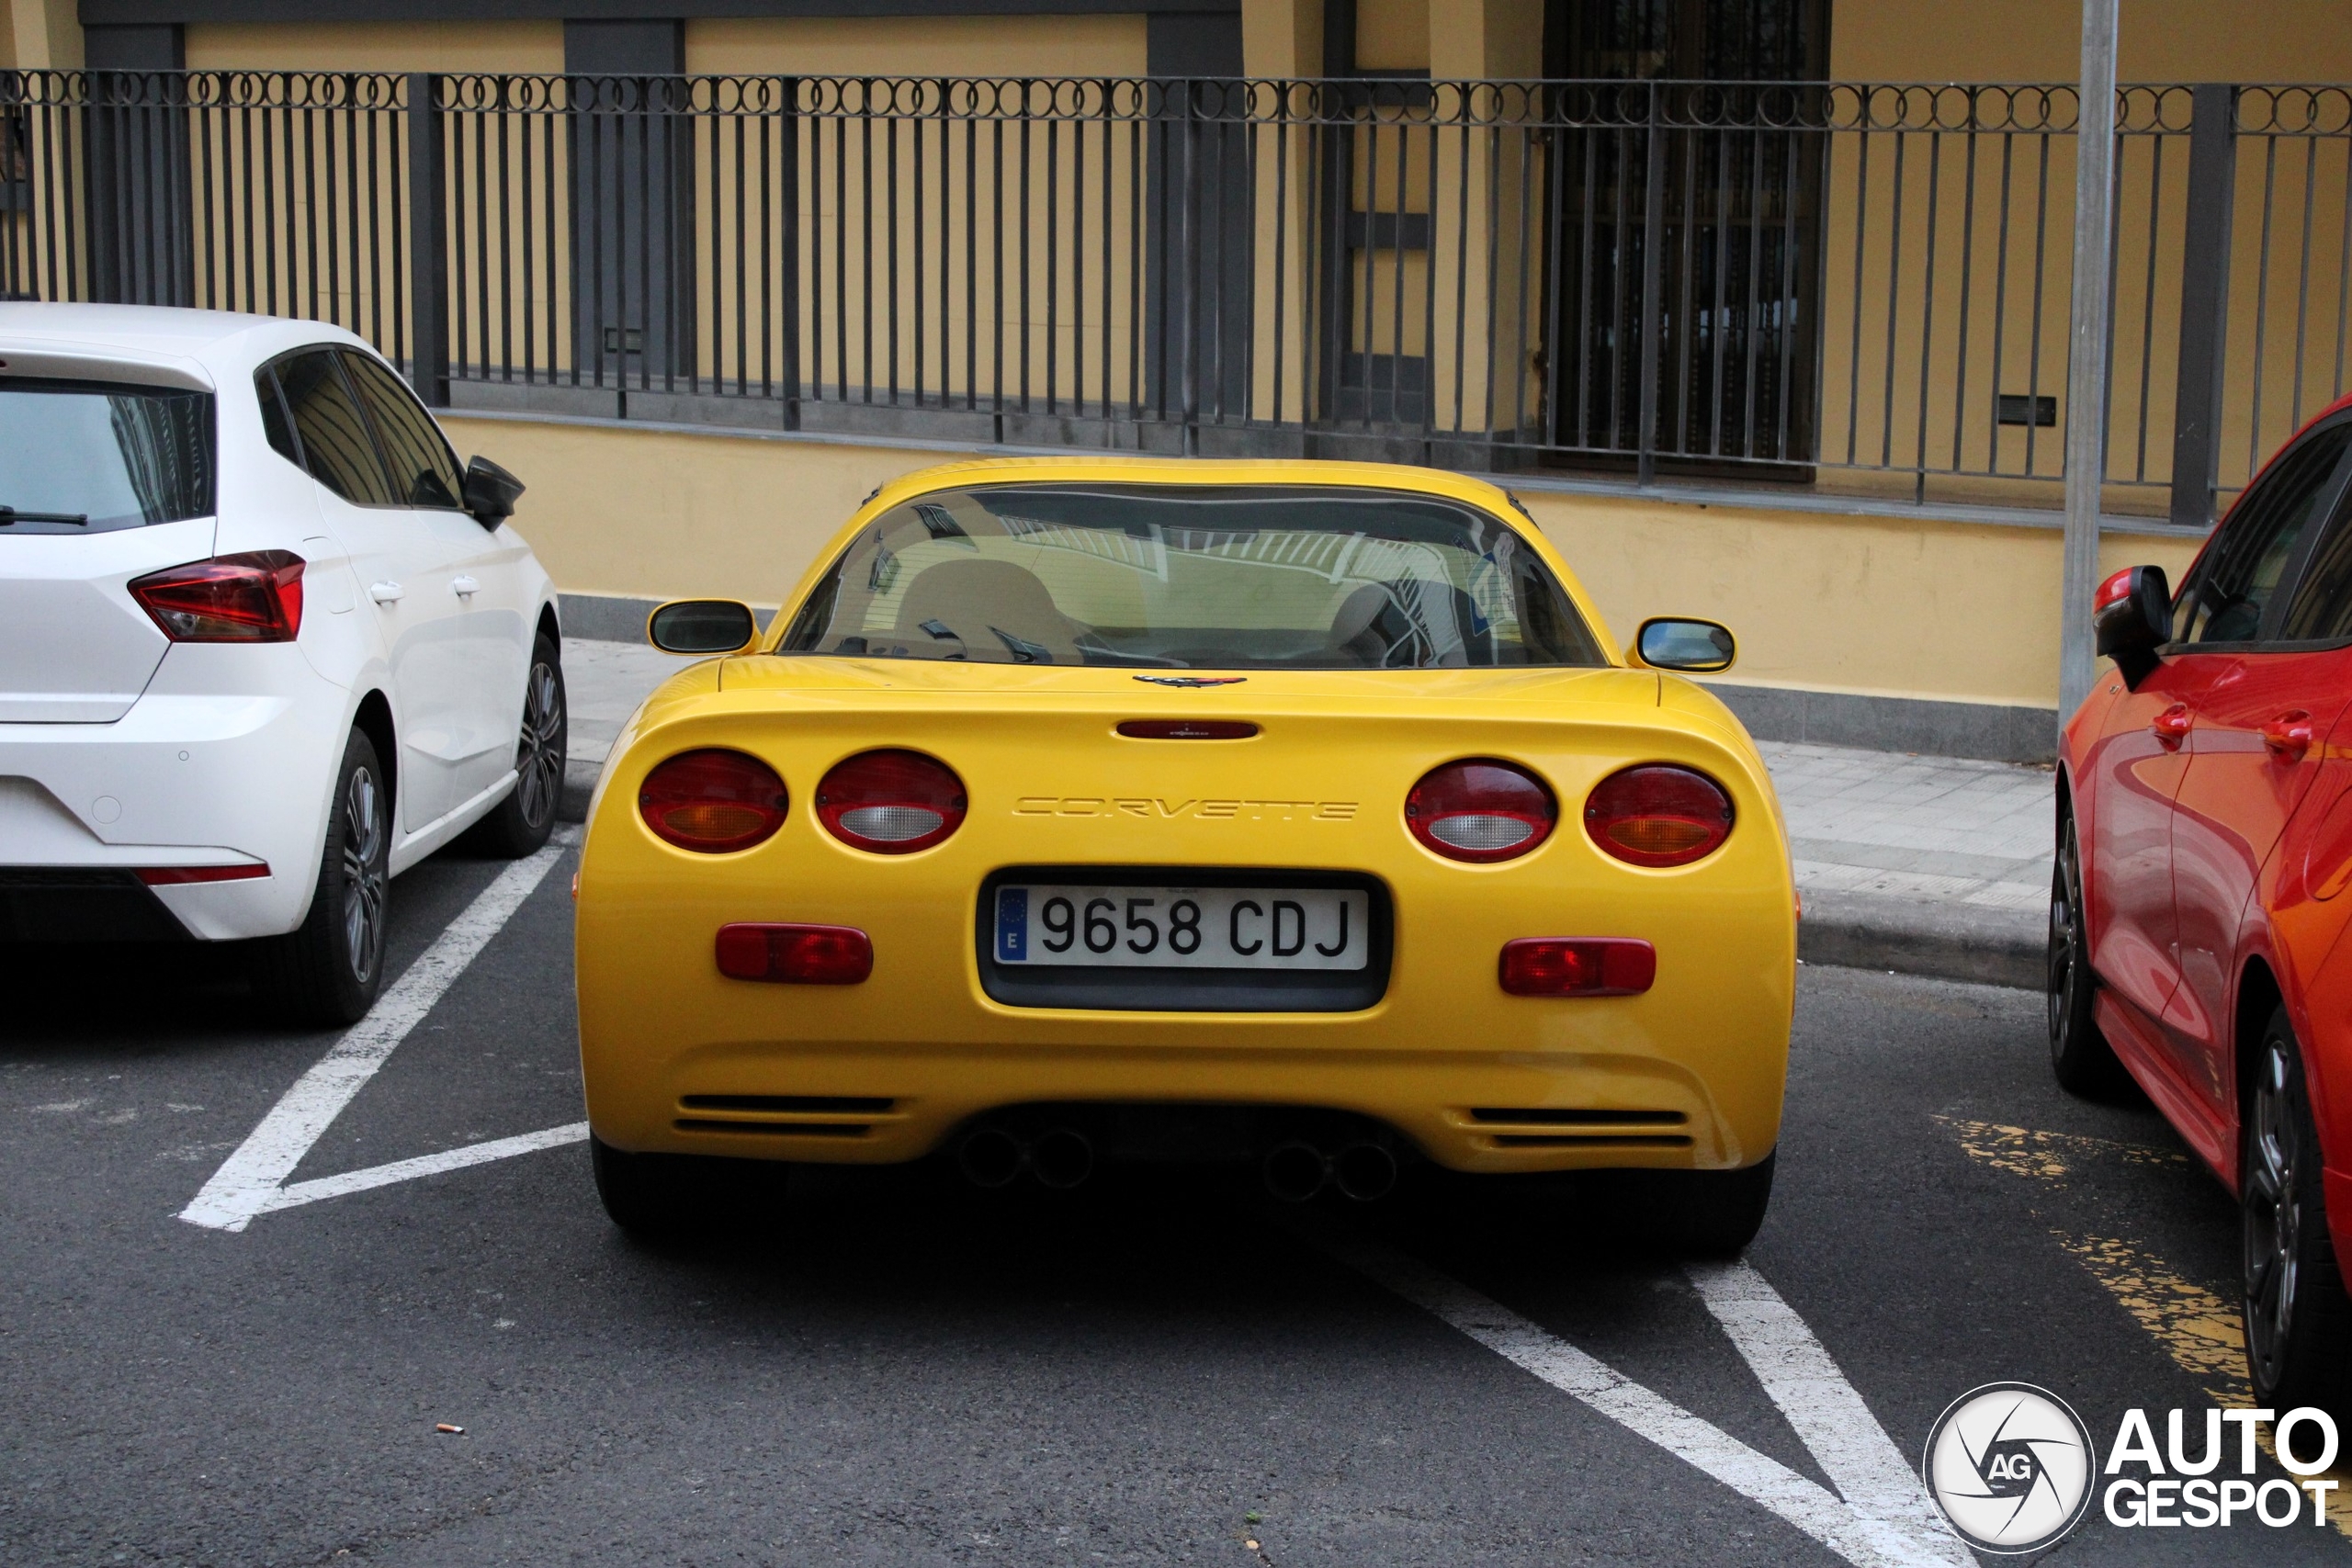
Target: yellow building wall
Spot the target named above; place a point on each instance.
(917, 46)
(1890, 606)
(517, 46)
(2041, 40)
(39, 34)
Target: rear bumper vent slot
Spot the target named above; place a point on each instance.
(1546, 1117)
(1591, 1141)
(775, 1129)
(789, 1104)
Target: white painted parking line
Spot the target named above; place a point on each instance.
(1823, 1408)
(348, 1181)
(1857, 1536)
(251, 1180)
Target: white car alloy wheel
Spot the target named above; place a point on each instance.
(539, 758)
(364, 875)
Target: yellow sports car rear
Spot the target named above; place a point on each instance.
(1076, 811)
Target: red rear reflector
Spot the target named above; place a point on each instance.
(1658, 816)
(795, 956)
(1577, 966)
(712, 801)
(891, 803)
(1480, 810)
(1187, 730)
(174, 876)
(253, 597)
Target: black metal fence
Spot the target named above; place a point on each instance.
(1861, 286)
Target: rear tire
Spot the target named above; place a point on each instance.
(520, 823)
(1691, 1214)
(325, 973)
(668, 1197)
(2080, 1056)
(2298, 1319)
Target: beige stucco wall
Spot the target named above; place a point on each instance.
(917, 46)
(2041, 40)
(1888, 605)
(375, 46)
(37, 34)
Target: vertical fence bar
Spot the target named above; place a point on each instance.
(1653, 222)
(428, 231)
(2204, 301)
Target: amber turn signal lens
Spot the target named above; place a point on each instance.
(1658, 815)
(712, 801)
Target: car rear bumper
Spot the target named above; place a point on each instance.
(188, 777)
(1483, 1110)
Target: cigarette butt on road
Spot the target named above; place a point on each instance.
(445, 1427)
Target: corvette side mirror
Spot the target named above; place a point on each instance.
(702, 627)
(2132, 616)
(1689, 646)
(490, 492)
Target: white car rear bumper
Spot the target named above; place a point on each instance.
(188, 777)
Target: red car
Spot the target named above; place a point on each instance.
(2197, 909)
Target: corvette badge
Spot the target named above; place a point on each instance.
(1193, 680)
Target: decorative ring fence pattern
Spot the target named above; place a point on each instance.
(1860, 285)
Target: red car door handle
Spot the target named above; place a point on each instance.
(2171, 727)
(2289, 736)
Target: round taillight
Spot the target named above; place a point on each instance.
(1480, 810)
(891, 803)
(1658, 815)
(712, 801)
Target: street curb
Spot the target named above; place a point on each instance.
(1943, 942)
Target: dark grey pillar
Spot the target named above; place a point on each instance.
(138, 168)
(632, 204)
(2204, 301)
(1199, 285)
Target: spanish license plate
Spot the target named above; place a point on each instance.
(1183, 928)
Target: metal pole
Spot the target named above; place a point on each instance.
(2086, 353)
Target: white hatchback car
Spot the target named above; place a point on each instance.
(262, 645)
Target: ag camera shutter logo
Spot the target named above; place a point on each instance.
(2010, 1465)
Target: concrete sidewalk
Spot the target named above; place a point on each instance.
(1925, 866)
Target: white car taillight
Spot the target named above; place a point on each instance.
(253, 597)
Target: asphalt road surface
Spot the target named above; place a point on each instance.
(883, 1369)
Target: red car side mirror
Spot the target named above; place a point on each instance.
(2132, 616)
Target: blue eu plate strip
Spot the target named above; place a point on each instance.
(1012, 924)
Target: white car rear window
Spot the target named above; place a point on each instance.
(81, 457)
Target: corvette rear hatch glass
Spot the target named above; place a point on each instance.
(99, 482)
(1194, 577)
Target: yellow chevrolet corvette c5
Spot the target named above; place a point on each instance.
(1081, 810)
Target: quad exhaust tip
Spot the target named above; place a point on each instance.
(1297, 1171)
(1061, 1158)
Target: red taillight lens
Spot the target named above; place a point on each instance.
(1658, 815)
(712, 801)
(891, 803)
(255, 597)
(1577, 966)
(1480, 810)
(795, 956)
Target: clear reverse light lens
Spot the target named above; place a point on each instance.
(891, 824)
(1470, 830)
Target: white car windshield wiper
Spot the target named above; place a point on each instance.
(10, 514)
